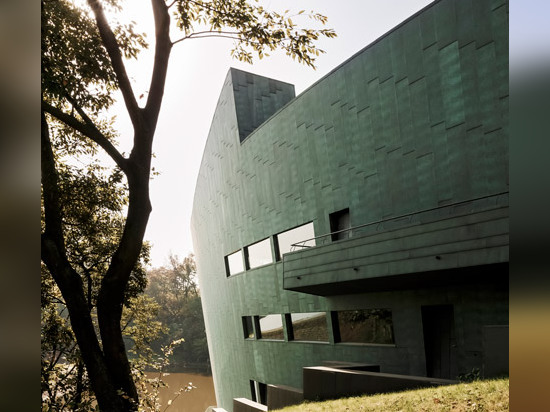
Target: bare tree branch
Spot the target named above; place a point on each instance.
(210, 33)
(163, 47)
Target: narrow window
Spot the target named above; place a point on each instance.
(262, 391)
(248, 327)
(253, 395)
(366, 326)
(258, 392)
(271, 327)
(295, 239)
(234, 263)
(340, 225)
(259, 254)
(310, 326)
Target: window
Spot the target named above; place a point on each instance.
(310, 326)
(300, 234)
(365, 326)
(248, 327)
(259, 254)
(271, 327)
(234, 263)
(340, 224)
(258, 392)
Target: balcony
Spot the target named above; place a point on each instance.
(450, 244)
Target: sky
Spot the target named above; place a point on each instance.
(196, 73)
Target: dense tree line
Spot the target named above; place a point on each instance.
(174, 288)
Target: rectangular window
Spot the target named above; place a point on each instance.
(259, 254)
(365, 326)
(310, 326)
(340, 225)
(234, 263)
(271, 327)
(253, 395)
(295, 239)
(258, 392)
(248, 327)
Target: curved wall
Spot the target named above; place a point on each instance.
(415, 121)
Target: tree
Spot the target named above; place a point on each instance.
(82, 64)
(174, 287)
(93, 222)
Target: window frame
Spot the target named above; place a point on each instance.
(292, 329)
(260, 333)
(252, 330)
(277, 243)
(228, 272)
(248, 266)
(337, 330)
(335, 220)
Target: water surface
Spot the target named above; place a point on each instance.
(197, 400)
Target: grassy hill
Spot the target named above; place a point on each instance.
(487, 395)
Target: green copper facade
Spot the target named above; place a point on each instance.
(405, 147)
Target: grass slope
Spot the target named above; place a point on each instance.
(487, 395)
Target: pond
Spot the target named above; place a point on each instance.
(197, 400)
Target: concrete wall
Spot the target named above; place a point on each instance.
(416, 121)
(246, 405)
(495, 350)
(322, 383)
(281, 396)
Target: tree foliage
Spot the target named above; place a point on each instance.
(254, 28)
(65, 384)
(91, 251)
(92, 202)
(174, 287)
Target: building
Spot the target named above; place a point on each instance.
(365, 220)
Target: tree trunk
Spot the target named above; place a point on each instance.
(53, 254)
(113, 286)
(79, 384)
(108, 367)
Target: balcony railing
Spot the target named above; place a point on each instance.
(398, 221)
(415, 246)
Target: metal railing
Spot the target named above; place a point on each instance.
(328, 237)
